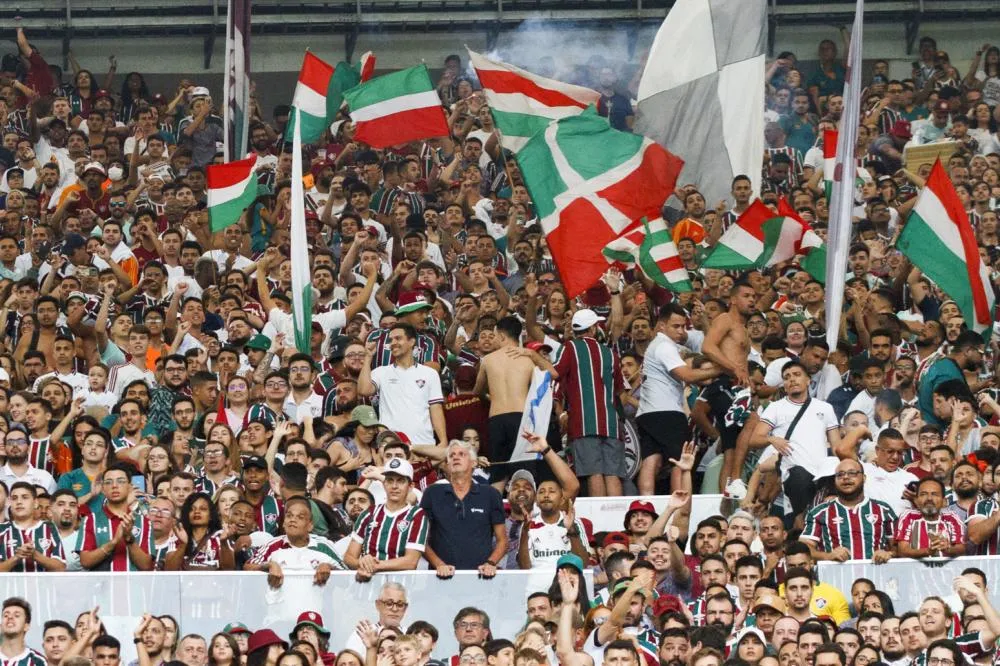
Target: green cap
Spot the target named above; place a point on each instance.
(259, 342)
(365, 415)
(236, 628)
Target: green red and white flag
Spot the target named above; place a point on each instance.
(652, 249)
(829, 161)
(523, 103)
(761, 239)
(939, 240)
(366, 66)
(231, 189)
(311, 99)
(396, 109)
(302, 297)
(586, 198)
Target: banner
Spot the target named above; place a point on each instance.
(535, 418)
(908, 582)
(236, 105)
(204, 602)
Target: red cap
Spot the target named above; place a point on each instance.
(102, 93)
(901, 129)
(588, 527)
(372, 231)
(616, 537)
(539, 347)
(312, 215)
(667, 603)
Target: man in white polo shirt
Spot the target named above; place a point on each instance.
(409, 394)
(802, 429)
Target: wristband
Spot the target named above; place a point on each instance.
(490, 562)
(546, 450)
(136, 640)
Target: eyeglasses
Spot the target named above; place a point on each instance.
(117, 204)
(160, 513)
(214, 454)
(278, 385)
(469, 659)
(393, 605)
(237, 386)
(468, 625)
(300, 369)
(116, 482)
(15, 440)
(845, 475)
(156, 320)
(938, 661)
(547, 281)
(355, 355)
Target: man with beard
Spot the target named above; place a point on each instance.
(826, 598)
(325, 281)
(965, 482)
(720, 612)
(521, 490)
(150, 639)
(966, 355)
(65, 512)
(19, 467)
(628, 604)
(904, 380)
(892, 643)
(675, 647)
(929, 344)
(798, 595)
(850, 526)
(302, 401)
(163, 397)
(326, 196)
(150, 292)
(26, 543)
(57, 636)
(92, 197)
(553, 532)
(926, 531)
(772, 538)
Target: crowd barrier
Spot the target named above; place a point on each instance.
(205, 602)
(608, 513)
(908, 582)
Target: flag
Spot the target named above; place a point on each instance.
(535, 417)
(939, 240)
(220, 412)
(319, 94)
(236, 106)
(231, 189)
(761, 239)
(396, 108)
(586, 198)
(829, 161)
(366, 67)
(301, 285)
(841, 200)
(701, 94)
(652, 249)
(523, 103)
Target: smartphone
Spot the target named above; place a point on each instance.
(139, 481)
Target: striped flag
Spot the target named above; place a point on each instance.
(829, 161)
(302, 297)
(761, 239)
(586, 198)
(523, 103)
(236, 106)
(319, 95)
(396, 109)
(231, 189)
(651, 248)
(939, 240)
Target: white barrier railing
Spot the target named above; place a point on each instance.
(908, 582)
(205, 602)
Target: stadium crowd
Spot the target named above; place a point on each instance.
(157, 416)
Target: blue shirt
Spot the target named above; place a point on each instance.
(462, 529)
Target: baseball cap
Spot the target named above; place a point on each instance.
(236, 628)
(365, 415)
(381, 438)
(622, 585)
(102, 93)
(746, 631)
(411, 301)
(584, 319)
(942, 105)
(400, 467)
(901, 129)
(73, 241)
(770, 600)
(337, 346)
(310, 619)
(95, 166)
(254, 461)
(259, 342)
(570, 560)
(540, 347)
(522, 475)
(616, 537)
(199, 91)
(76, 294)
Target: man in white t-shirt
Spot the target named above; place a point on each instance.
(410, 399)
(663, 427)
(804, 449)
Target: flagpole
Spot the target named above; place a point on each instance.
(229, 91)
(841, 204)
(301, 287)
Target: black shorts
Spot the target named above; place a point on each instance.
(662, 433)
(502, 431)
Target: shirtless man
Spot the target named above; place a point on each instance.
(506, 375)
(727, 344)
